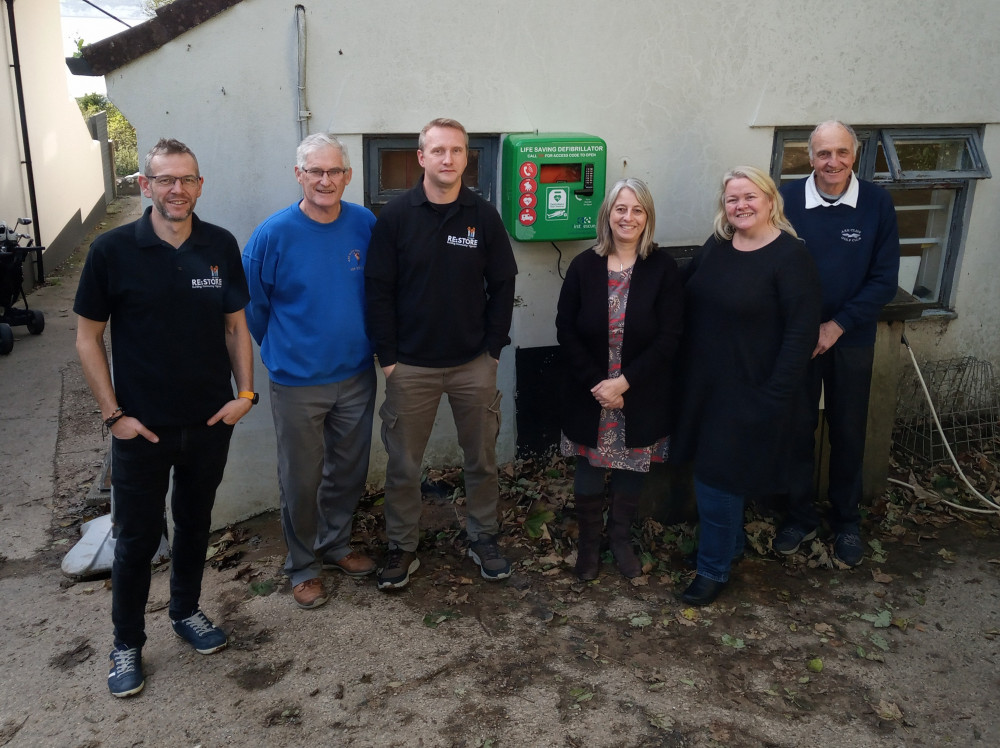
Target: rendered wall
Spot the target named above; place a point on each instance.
(66, 163)
(680, 92)
(13, 194)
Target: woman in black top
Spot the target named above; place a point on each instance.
(618, 325)
(752, 300)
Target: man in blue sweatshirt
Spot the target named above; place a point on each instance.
(305, 267)
(849, 227)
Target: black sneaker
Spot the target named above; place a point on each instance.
(125, 677)
(396, 570)
(847, 548)
(789, 538)
(201, 633)
(486, 553)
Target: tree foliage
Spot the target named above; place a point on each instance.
(149, 6)
(119, 130)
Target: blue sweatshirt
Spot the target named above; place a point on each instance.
(307, 295)
(856, 250)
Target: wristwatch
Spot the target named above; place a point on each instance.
(253, 397)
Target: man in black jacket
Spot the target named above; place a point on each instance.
(440, 288)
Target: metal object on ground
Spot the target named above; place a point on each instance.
(966, 396)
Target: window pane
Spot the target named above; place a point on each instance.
(924, 217)
(795, 161)
(398, 170)
(881, 165)
(471, 177)
(933, 155)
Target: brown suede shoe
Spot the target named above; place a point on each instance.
(354, 564)
(310, 593)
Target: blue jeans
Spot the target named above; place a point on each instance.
(721, 537)
(140, 475)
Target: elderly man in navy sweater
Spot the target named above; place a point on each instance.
(849, 227)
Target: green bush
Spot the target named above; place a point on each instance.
(119, 130)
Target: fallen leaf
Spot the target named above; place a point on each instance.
(433, 620)
(732, 641)
(888, 710)
(879, 620)
(661, 721)
(879, 641)
(684, 621)
(262, 589)
(641, 620)
(947, 555)
(879, 554)
(815, 665)
(534, 525)
(881, 578)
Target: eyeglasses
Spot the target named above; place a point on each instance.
(165, 180)
(332, 173)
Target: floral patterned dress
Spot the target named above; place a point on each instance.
(611, 451)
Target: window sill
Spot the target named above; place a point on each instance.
(938, 315)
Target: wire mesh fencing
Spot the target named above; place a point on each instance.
(966, 396)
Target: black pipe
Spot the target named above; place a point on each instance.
(29, 172)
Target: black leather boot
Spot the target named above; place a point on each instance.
(702, 591)
(590, 517)
(623, 509)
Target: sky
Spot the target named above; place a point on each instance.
(81, 21)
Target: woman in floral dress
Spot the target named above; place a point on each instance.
(618, 324)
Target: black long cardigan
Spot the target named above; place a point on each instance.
(653, 323)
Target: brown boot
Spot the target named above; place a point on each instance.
(623, 508)
(590, 517)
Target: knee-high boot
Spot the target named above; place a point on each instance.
(590, 517)
(623, 509)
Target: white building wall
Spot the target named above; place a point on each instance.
(66, 162)
(680, 92)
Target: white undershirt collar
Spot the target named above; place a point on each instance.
(815, 200)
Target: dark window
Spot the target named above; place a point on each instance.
(391, 167)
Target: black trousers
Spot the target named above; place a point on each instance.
(140, 474)
(844, 376)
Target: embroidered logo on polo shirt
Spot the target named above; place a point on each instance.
(851, 235)
(354, 259)
(213, 282)
(467, 241)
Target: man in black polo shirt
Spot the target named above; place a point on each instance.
(440, 288)
(173, 289)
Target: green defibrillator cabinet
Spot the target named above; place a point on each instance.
(552, 185)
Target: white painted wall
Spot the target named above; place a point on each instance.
(680, 92)
(67, 164)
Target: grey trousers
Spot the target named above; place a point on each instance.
(324, 437)
(412, 395)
